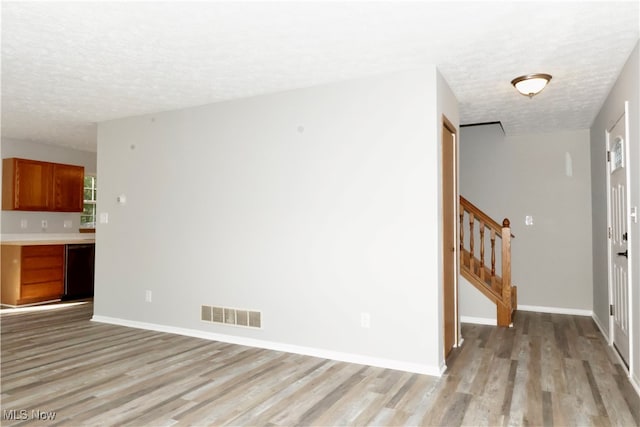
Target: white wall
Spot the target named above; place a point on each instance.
(312, 205)
(626, 88)
(515, 176)
(50, 153)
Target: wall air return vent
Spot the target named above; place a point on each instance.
(255, 319)
(218, 315)
(231, 316)
(242, 317)
(206, 313)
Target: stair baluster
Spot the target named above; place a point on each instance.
(471, 257)
(493, 258)
(481, 250)
(461, 229)
(498, 289)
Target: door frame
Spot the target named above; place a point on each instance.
(624, 116)
(447, 125)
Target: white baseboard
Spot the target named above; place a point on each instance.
(397, 365)
(604, 331)
(555, 310)
(540, 309)
(479, 320)
(635, 382)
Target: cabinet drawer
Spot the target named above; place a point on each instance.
(42, 275)
(43, 250)
(47, 289)
(35, 263)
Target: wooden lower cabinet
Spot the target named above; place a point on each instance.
(32, 273)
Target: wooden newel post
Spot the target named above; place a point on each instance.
(504, 309)
(506, 261)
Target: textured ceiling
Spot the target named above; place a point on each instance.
(67, 66)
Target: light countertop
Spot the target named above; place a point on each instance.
(28, 239)
(48, 242)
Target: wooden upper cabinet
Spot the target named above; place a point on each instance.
(26, 185)
(31, 185)
(68, 186)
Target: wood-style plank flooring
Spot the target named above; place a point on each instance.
(547, 370)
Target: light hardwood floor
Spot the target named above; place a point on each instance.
(547, 370)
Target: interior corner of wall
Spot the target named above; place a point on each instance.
(604, 331)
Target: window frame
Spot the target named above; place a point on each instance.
(91, 202)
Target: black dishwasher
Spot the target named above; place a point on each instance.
(78, 272)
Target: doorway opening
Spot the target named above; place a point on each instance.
(449, 235)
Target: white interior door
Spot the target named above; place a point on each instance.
(618, 238)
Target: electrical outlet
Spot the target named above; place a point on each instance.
(365, 320)
(104, 217)
(148, 296)
(68, 223)
(24, 223)
(45, 224)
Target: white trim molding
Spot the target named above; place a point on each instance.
(418, 368)
(479, 320)
(556, 310)
(632, 378)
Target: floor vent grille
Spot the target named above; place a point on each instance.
(231, 316)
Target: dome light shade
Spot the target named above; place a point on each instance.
(531, 84)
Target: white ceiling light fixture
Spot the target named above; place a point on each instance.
(531, 84)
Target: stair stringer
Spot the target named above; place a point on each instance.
(504, 311)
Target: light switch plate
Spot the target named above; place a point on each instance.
(528, 220)
(365, 320)
(104, 217)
